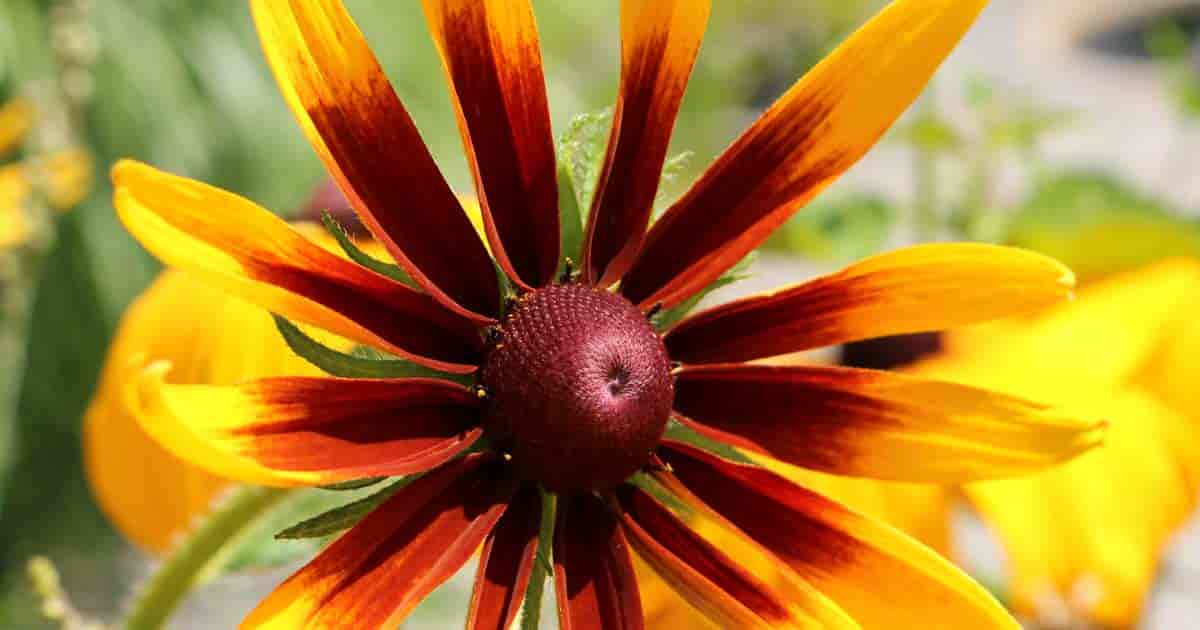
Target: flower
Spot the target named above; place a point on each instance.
(211, 338)
(66, 175)
(574, 386)
(1085, 539)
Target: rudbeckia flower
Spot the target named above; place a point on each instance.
(573, 386)
(1083, 541)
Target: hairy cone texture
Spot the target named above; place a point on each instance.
(578, 388)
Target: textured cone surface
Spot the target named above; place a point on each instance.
(578, 388)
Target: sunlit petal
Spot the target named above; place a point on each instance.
(805, 141)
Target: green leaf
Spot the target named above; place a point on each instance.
(359, 256)
(1098, 226)
(930, 132)
(353, 485)
(531, 608)
(349, 366)
(842, 230)
(671, 316)
(678, 431)
(570, 218)
(342, 517)
(581, 152)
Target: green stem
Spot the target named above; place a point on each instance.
(531, 611)
(202, 551)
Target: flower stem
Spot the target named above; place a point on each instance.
(201, 552)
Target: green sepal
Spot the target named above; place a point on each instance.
(350, 366)
(570, 219)
(680, 432)
(531, 607)
(342, 517)
(671, 316)
(343, 239)
(355, 484)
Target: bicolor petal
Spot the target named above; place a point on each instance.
(659, 42)
(493, 61)
(308, 430)
(210, 337)
(249, 252)
(881, 577)
(882, 425)
(711, 581)
(593, 572)
(805, 141)
(506, 564)
(917, 289)
(376, 573)
(357, 124)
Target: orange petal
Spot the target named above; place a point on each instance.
(308, 430)
(506, 564)
(150, 495)
(376, 573)
(708, 579)
(881, 577)
(249, 252)
(593, 573)
(805, 141)
(659, 42)
(494, 65)
(370, 145)
(877, 424)
(917, 289)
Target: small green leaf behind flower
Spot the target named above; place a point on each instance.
(362, 363)
(338, 519)
(671, 316)
(343, 239)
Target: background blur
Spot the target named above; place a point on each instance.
(1071, 126)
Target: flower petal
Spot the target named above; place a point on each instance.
(370, 145)
(375, 574)
(308, 430)
(710, 580)
(882, 425)
(881, 577)
(917, 289)
(249, 252)
(659, 42)
(593, 573)
(149, 494)
(506, 564)
(16, 117)
(494, 65)
(805, 141)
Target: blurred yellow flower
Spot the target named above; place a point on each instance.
(211, 338)
(65, 176)
(16, 116)
(1083, 541)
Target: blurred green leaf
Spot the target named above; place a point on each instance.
(356, 484)
(1096, 225)
(930, 132)
(840, 230)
